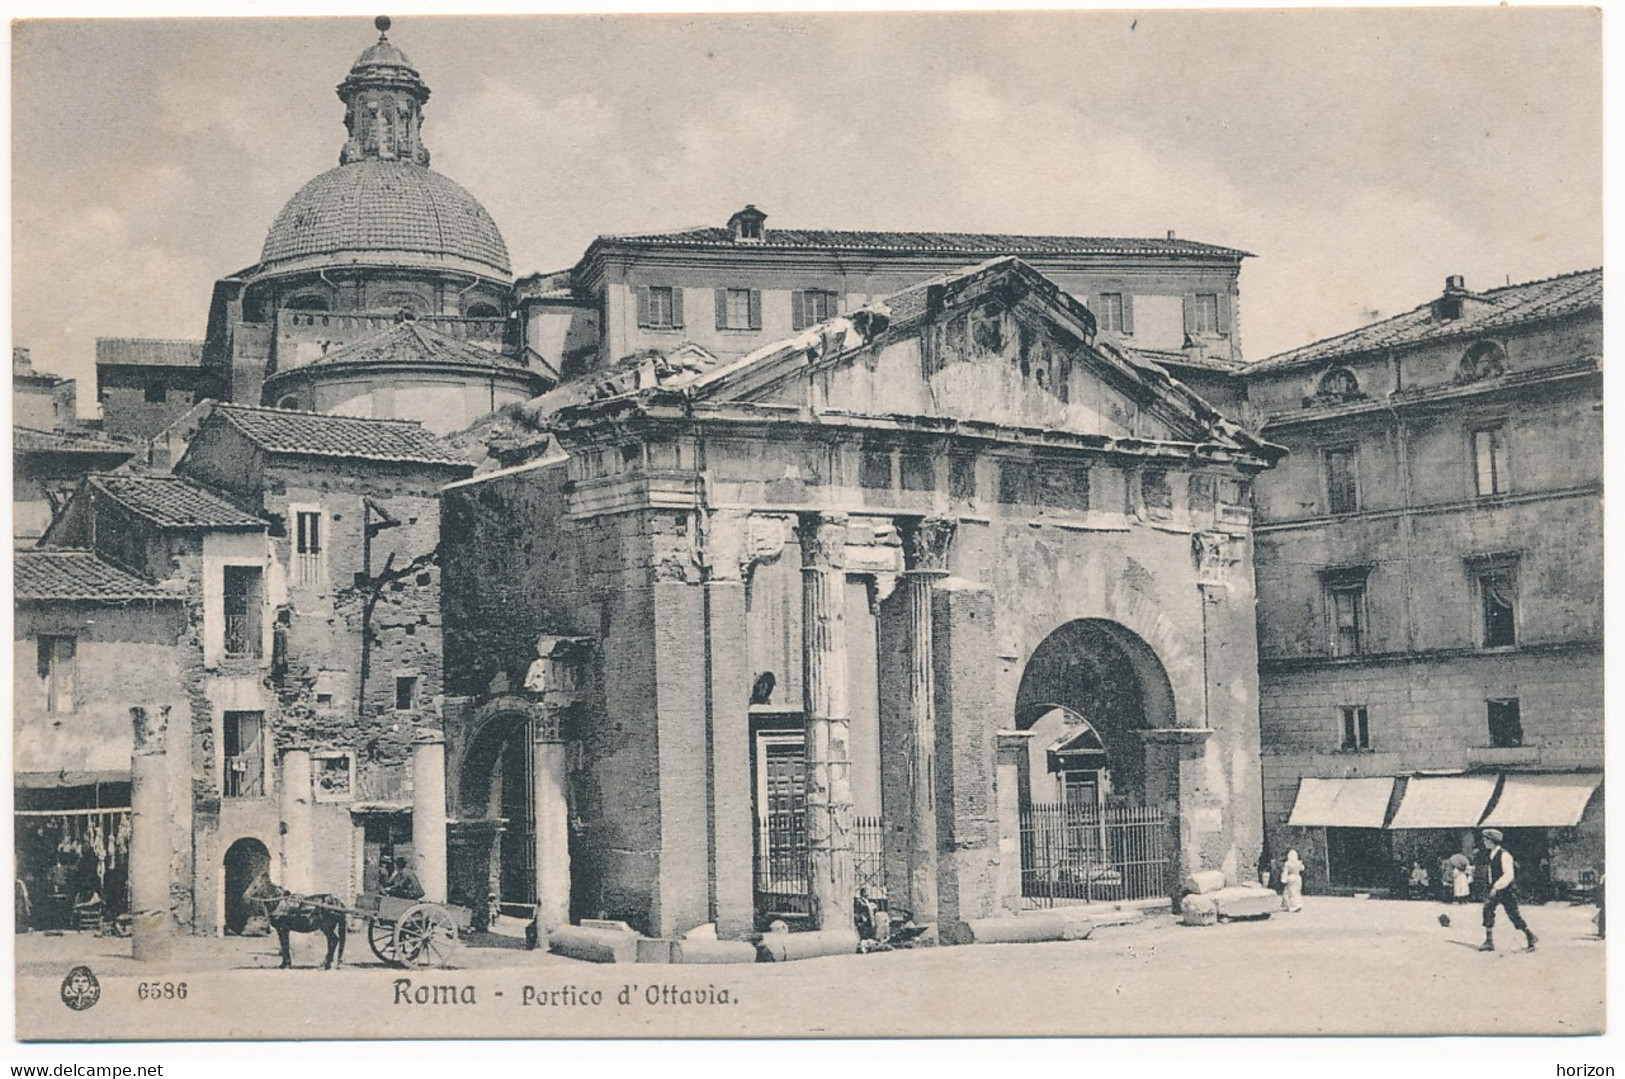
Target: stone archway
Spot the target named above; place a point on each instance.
(1098, 676)
(496, 781)
(245, 860)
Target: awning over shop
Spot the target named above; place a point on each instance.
(1444, 801)
(1341, 803)
(1543, 801)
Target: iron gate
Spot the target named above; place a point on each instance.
(782, 888)
(1091, 854)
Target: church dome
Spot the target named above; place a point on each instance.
(375, 206)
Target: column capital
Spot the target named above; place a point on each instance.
(926, 541)
(823, 540)
(547, 725)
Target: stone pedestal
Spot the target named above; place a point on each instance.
(549, 773)
(429, 814)
(298, 822)
(829, 784)
(153, 922)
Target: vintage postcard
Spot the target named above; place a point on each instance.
(774, 525)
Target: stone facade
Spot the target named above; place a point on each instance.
(856, 545)
(1461, 448)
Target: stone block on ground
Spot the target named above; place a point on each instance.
(1199, 910)
(594, 945)
(1204, 881)
(1245, 901)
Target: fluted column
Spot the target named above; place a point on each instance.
(829, 782)
(925, 561)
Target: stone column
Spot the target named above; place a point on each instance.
(925, 561)
(829, 784)
(1010, 757)
(153, 923)
(429, 813)
(549, 773)
(298, 822)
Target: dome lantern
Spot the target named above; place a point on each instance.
(383, 105)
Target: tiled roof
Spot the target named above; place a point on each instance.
(415, 342)
(149, 352)
(173, 502)
(314, 434)
(1182, 359)
(28, 440)
(62, 573)
(975, 243)
(372, 206)
(1482, 312)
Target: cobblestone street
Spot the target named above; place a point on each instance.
(1340, 967)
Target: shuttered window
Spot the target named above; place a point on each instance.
(1117, 313)
(739, 309)
(1342, 481)
(1490, 460)
(809, 307)
(660, 307)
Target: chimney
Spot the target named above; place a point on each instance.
(1171, 235)
(1455, 283)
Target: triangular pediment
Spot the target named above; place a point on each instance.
(997, 343)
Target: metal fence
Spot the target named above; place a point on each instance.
(1092, 854)
(782, 887)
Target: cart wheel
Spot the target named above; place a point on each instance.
(425, 936)
(381, 938)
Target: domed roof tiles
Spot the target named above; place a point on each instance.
(385, 206)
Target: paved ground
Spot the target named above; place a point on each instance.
(1342, 966)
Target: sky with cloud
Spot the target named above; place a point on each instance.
(1361, 155)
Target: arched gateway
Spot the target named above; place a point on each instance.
(1089, 831)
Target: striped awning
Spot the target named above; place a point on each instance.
(1341, 803)
(1444, 801)
(1543, 801)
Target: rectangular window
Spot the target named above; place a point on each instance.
(1342, 480)
(243, 603)
(56, 669)
(308, 567)
(1498, 600)
(1111, 312)
(1356, 728)
(1347, 602)
(1205, 313)
(244, 738)
(1490, 460)
(811, 306)
(739, 309)
(660, 307)
(406, 692)
(157, 393)
(1506, 726)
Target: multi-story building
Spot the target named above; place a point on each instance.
(1430, 566)
(300, 648)
(729, 290)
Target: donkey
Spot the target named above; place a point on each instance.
(292, 913)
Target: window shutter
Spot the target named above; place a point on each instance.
(722, 308)
(755, 308)
(677, 306)
(1224, 314)
(643, 305)
(798, 310)
(1128, 313)
(1190, 315)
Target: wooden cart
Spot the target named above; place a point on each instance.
(410, 932)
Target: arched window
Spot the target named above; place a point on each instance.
(483, 310)
(1337, 384)
(308, 301)
(1483, 359)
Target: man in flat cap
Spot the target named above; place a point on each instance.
(1503, 891)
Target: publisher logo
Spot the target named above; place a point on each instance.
(80, 989)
